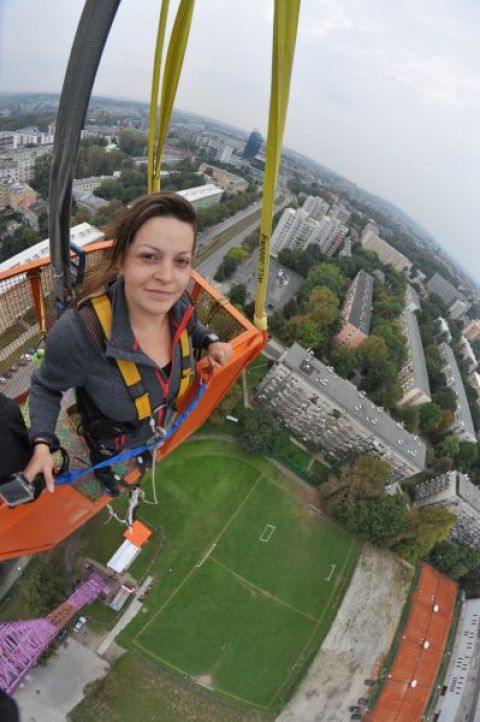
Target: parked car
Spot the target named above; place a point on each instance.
(79, 624)
(61, 635)
(3, 380)
(354, 708)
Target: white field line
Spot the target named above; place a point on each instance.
(205, 556)
(267, 533)
(327, 579)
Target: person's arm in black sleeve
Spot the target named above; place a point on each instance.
(63, 367)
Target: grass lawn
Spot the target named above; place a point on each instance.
(320, 471)
(138, 689)
(240, 600)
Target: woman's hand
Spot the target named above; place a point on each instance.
(41, 463)
(218, 353)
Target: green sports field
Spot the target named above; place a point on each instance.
(249, 575)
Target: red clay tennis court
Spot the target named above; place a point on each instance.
(410, 681)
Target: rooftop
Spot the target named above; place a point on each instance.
(455, 379)
(417, 357)
(361, 306)
(345, 394)
(196, 194)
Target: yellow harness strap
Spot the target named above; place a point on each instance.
(188, 373)
(128, 369)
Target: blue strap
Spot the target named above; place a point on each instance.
(71, 476)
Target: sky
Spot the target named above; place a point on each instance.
(386, 94)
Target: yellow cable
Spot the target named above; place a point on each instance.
(284, 36)
(152, 121)
(171, 75)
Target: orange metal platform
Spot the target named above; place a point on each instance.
(26, 298)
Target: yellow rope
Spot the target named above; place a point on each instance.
(152, 121)
(284, 36)
(171, 74)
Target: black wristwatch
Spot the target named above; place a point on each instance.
(210, 338)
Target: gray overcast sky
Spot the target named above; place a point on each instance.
(387, 94)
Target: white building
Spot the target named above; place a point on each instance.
(444, 329)
(19, 164)
(412, 301)
(224, 153)
(458, 309)
(316, 207)
(202, 196)
(81, 235)
(92, 183)
(288, 230)
(468, 354)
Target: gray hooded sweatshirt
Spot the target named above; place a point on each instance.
(72, 359)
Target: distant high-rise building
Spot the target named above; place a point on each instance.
(224, 153)
(339, 211)
(316, 207)
(293, 231)
(253, 144)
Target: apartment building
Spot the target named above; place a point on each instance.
(19, 164)
(443, 288)
(462, 423)
(92, 183)
(413, 375)
(387, 254)
(468, 354)
(16, 195)
(458, 309)
(339, 211)
(472, 330)
(412, 301)
(316, 207)
(288, 232)
(444, 329)
(330, 412)
(456, 492)
(226, 181)
(357, 311)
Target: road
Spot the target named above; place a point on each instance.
(204, 236)
(209, 266)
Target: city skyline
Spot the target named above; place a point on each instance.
(377, 96)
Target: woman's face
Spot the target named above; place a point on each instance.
(158, 265)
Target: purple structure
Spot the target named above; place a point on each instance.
(22, 643)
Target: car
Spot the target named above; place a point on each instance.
(27, 356)
(61, 635)
(354, 708)
(79, 624)
(3, 380)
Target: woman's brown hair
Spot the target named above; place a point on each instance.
(124, 229)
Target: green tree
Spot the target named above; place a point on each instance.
(376, 518)
(322, 306)
(430, 416)
(466, 456)
(373, 352)
(304, 330)
(132, 142)
(449, 446)
(45, 585)
(41, 174)
(428, 526)
(453, 559)
(226, 405)
(364, 477)
(344, 359)
(409, 415)
(238, 294)
(446, 398)
(261, 433)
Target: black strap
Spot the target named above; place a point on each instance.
(90, 39)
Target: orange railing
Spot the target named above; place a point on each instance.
(26, 312)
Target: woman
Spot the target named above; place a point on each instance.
(151, 262)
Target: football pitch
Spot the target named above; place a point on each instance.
(249, 575)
